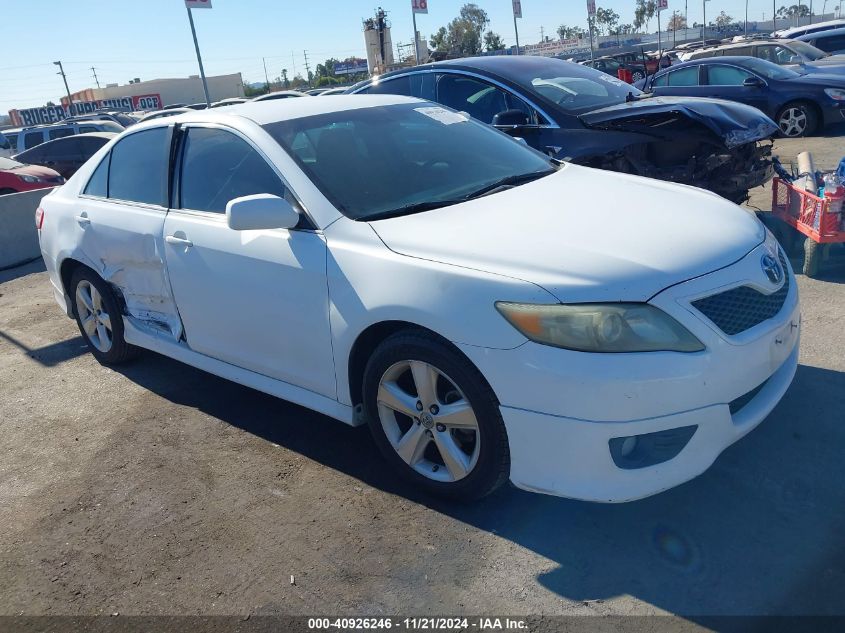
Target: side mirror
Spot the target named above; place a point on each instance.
(510, 118)
(753, 82)
(260, 211)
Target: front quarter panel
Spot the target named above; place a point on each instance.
(370, 284)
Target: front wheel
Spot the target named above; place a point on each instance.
(434, 417)
(797, 119)
(99, 318)
(637, 75)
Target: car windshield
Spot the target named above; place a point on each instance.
(378, 162)
(807, 50)
(575, 88)
(768, 69)
(8, 163)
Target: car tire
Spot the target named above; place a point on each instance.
(637, 75)
(6, 190)
(797, 119)
(414, 437)
(99, 317)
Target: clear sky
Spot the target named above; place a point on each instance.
(150, 39)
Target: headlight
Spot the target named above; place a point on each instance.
(837, 94)
(26, 178)
(600, 327)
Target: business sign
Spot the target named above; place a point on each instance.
(662, 4)
(351, 67)
(419, 6)
(56, 113)
(198, 4)
(591, 7)
(517, 8)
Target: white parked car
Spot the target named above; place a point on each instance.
(490, 313)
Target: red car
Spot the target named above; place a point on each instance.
(16, 177)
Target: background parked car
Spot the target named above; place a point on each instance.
(799, 104)
(794, 54)
(227, 102)
(579, 114)
(332, 91)
(24, 138)
(16, 177)
(5, 147)
(158, 114)
(649, 65)
(281, 94)
(66, 155)
(611, 67)
(121, 118)
(830, 41)
(798, 31)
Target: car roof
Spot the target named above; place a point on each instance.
(805, 27)
(825, 33)
(274, 110)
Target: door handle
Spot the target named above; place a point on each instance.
(83, 219)
(179, 241)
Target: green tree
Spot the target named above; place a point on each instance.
(493, 41)
(723, 20)
(794, 11)
(570, 32)
(677, 23)
(643, 13)
(463, 36)
(606, 19)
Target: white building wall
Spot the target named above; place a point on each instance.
(178, 90)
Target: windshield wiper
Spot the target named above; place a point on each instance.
(409, 209)
(509, 181)
(417, 207)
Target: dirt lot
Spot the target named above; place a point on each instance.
(159, 489)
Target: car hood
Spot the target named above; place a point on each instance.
(735, 123)
(822, 79)
(584, 234)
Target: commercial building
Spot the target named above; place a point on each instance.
(171, 90)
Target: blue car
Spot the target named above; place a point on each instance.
(800, 104)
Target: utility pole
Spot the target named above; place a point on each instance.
(542, 35)
(704, 19)
(70, 108)
(266, 77)
(199, 57)
(746, 18)
(94, 70)
(686, 18)
(307, 69)
(774, 15)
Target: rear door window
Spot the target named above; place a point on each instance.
(684, 77)
(98, 185)
(726, 75)
(479, 99)
(31, 139)
(139, 167)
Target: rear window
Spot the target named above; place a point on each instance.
(60, 132)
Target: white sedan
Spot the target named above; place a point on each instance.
(489, 312)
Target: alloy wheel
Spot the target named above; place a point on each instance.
(793, 122)
(95, 320)
(428, 421)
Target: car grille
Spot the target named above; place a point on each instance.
(740, 309)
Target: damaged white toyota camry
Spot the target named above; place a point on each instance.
(490, 313)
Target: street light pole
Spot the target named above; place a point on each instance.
(199, 57)
(70, 108)
(746, 17)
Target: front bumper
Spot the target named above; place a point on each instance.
(562, 408)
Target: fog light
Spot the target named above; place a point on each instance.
(639, 451)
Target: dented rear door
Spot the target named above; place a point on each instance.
(121, 216)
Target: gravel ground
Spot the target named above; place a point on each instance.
(159, 489)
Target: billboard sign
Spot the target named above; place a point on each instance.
(56, 113)
(517, 8)
(591, 8)
(351, 67)
(419, 6)
(198, 4)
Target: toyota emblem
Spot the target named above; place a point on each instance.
(772, 268)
